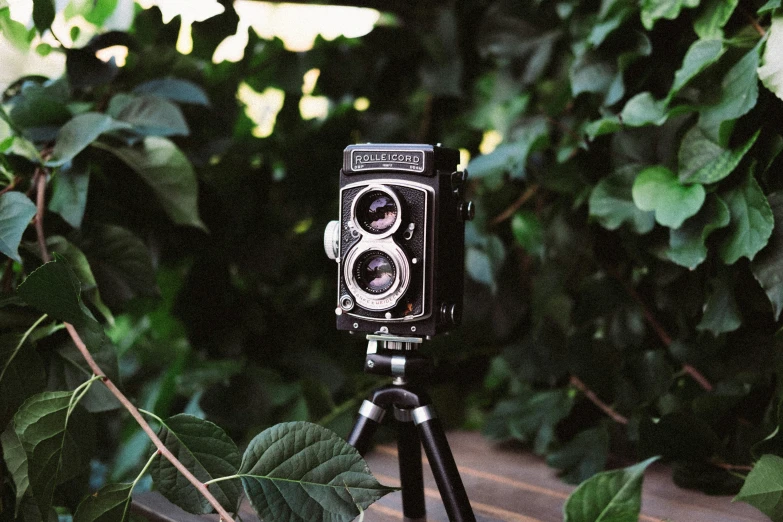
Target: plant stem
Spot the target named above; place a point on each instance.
(506, 214)
(577, 383)
(127, 404)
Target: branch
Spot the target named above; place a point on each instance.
(753, 22)
(162, 449)
(524, 198)
(577, 383)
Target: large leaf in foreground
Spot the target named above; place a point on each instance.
(300, 472)
(763, 487)
(56, 440)
(54, 289)
(206, 450)
(166, 169)
(111, 503)
(614, 496)
(16, 211)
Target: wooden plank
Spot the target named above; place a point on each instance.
(504, 485)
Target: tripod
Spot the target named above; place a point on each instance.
(418, 426)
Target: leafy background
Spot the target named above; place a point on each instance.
(624, 291)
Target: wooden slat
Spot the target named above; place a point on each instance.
(504, 485)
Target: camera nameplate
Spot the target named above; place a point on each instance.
(384, 159)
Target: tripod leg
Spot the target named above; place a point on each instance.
(370, 416)
(409, 456)
(452, 491)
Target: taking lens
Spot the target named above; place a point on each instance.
(376, 211)
(375, 271)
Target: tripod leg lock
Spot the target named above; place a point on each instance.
(372, 411)
(423, 414)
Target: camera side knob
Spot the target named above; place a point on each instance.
(332, 240)
(467, 210)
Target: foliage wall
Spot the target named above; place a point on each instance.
(624, 288)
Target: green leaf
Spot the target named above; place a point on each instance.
(763, 488)
(654, 10)
(16, 211)
(56, 441)
(300, 472)
(149, 115)
(69, 196)
(528, 232)
(657, 189)
(611, 202)
(167, 170)
(714, 15)
(770, 6)
(79, 133)
(687, 244)
(176, 90)
(208, 453)
(767, 266)
(703, 161)
(15, 32)
(611, 496)
(751, 222)
(771, 70)
(643, 110)
(721, 312)
(43, 14)
(22, 374)
(111, 503)
(739, 93)
(100, 11)
(511, 157)
(54, 289)
(701, 54)
(16, 461)
(583, 456)
(530, 417)
(120, 262)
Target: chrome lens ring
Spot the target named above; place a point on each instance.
(389, 297)
(372, 199)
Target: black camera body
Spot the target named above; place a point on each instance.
(400, 240)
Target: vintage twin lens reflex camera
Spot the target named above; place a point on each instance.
(400, 240)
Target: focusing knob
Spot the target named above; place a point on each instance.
(332, 239)
(467, 210)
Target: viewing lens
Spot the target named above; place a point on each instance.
(376, 211)
(375, 272)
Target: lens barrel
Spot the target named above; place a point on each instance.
(375, 271)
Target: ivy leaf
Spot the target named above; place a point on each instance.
(687, 244)
(167, 170)
(611, 496)
(16, 461)
(721, 312)
(43, 14)
(206, 450)
(770, 6)
(16, 211)
(704, 161)
(767, 266)
(771, 70)
(763, 487)
(714, 15)
(54, 289)
(511, 157)
(149, 115)
(15, 32)
(111, 503)
(69, 196)
(654, 10)
(611, 202)
(700, 55)
(79, 133)
(528, 231)
(643, 110)
(751, 222)
(300, 472)
(55, 441)
(739, 93)
(174, 89)
(583, 456)
(657, 189)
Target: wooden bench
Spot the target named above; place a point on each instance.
(504, 485)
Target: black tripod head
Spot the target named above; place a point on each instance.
(396, 357)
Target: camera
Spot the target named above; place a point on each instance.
(400, 240)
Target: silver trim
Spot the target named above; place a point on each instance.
(423, 414)
(372, 412)
(388, 299)
(398, 366)
(390, 164)
(385, 190)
